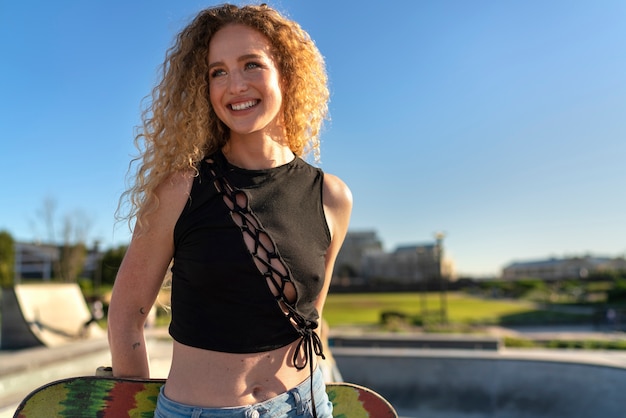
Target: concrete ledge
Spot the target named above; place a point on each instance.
(31, 358)
(504, 384)
(437, 341)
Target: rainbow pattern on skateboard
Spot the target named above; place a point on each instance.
(106, 397)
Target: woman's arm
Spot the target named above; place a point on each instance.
(337, 200)
(140, 278)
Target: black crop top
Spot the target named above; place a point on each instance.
(221, 297)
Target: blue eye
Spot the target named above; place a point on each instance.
(252, 65)
(217, 73)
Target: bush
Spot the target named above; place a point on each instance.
(618, 293)
(514, 342)
(394, 320)
(389, 316)
(7, 259)
(111, 261)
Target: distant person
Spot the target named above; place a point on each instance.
(611, 317)
(96, 311)
(253, 229)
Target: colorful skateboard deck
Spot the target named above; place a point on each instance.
(107, 397)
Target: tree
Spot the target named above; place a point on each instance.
(111, 261)
(72, 248)
(7, 259)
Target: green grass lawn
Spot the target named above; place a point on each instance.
(366, 308)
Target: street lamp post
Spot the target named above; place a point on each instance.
(439, 236)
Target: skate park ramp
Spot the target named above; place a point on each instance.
(46, 314)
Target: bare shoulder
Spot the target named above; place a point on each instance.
(337, 199)
(152, 245)
(172, 194)
(176, 184)
(337, 194)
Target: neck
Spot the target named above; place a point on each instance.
(255, 154)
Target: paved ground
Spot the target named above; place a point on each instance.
(563, 332)
(24, 370)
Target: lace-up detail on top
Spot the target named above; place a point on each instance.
(273, 268)
(270, 264)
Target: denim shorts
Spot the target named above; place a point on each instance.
(293, 403)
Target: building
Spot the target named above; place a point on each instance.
(38, 261)
(362, 254)
(355, 246)
(562, 268)
(406, 264)
(35, 261)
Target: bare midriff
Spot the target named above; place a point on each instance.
(213, 379)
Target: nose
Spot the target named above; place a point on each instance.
(238, 82)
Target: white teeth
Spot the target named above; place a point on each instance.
(244, 105)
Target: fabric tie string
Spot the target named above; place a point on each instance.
(310, 343)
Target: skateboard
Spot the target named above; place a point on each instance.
(108, 397)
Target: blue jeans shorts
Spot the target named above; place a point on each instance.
(294, 403)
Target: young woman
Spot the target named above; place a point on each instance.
(252, 229)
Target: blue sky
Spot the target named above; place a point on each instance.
(501, 123)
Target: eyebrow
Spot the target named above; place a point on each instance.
(241, 58)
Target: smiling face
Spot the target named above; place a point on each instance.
(244, 83)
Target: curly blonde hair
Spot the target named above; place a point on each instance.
(179, 126)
